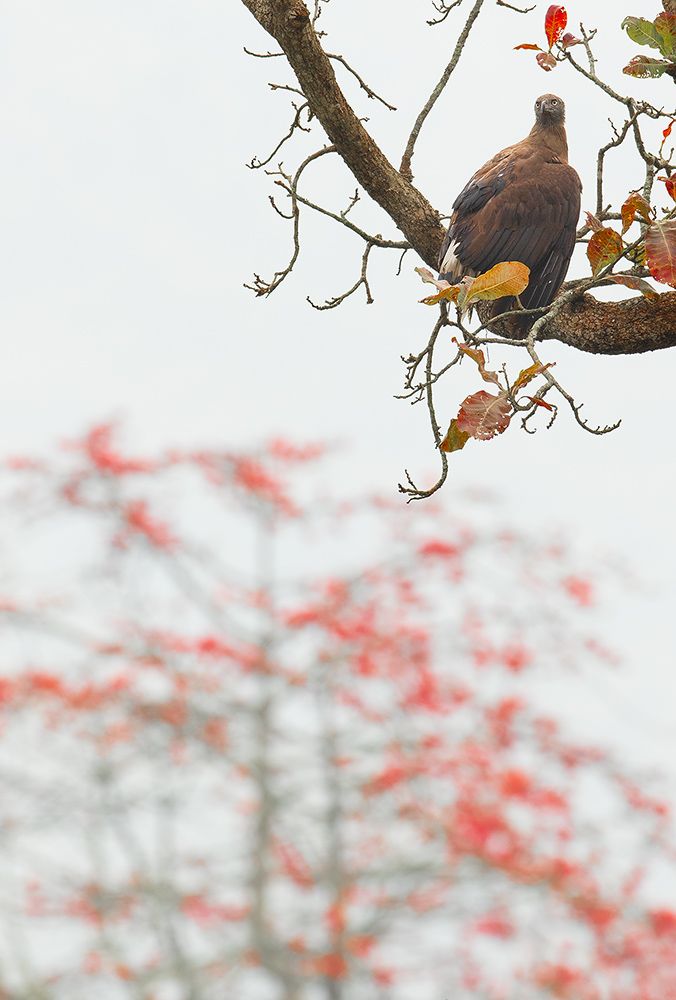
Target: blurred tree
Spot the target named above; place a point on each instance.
(225, 775)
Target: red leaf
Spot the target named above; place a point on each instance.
(667, 131)
(569, 40)
(604, 247)
(660, 248)
(537, 401)
(670, 185)
(556, 20)
(528, 45)
(546, 61)
(483, 415)
(637, 284)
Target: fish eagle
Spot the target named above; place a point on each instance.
(522, 205)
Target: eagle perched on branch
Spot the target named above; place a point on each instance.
(522, 205)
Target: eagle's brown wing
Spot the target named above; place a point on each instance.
(521, 205)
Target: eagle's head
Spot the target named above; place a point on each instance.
(550, 110)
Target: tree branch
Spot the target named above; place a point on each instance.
(631, 326)
(289, 23)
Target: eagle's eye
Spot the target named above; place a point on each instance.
(553, 102)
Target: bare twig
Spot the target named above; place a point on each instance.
(290, 185)
(362, 280)
(256, 164)
(410, 490)
(444, 9)
(405, 167)
(364, 86)
(519, 10)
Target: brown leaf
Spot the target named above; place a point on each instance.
(509, 278)
(604, 248)
(646, 66)
(483, 415)
(429, 278)
(633, 206)
(637, 284)
(594, 224)
(569, 40)
(546, 60)
(556, 20)
(528, 374)
(527, 45)
(660, 248)
(477, 356)
(455, 439)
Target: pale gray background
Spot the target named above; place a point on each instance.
(129, 223)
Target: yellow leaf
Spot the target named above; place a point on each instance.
(455, 439)
(528, 374)
(509, 278)
(449, 294)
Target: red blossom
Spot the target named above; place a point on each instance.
(207, 913)
(580, 590)
(495, 923)
(98, 446)
(138, 519)
(293, 863)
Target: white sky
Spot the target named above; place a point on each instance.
(129, 223)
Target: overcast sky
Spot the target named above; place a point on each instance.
(130, 223)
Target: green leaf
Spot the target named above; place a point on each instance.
(642, 31)
(646, 66)
(665, 26)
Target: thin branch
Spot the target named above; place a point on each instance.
(518, 10)
(262, 55)
(612, 144)
(290, 185)
(410, 490)
(256, 164)
(444, 9)
(376, 240)
(364, 86)
(362, 280)
(405, 167)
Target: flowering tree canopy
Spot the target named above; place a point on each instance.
(226, 775)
